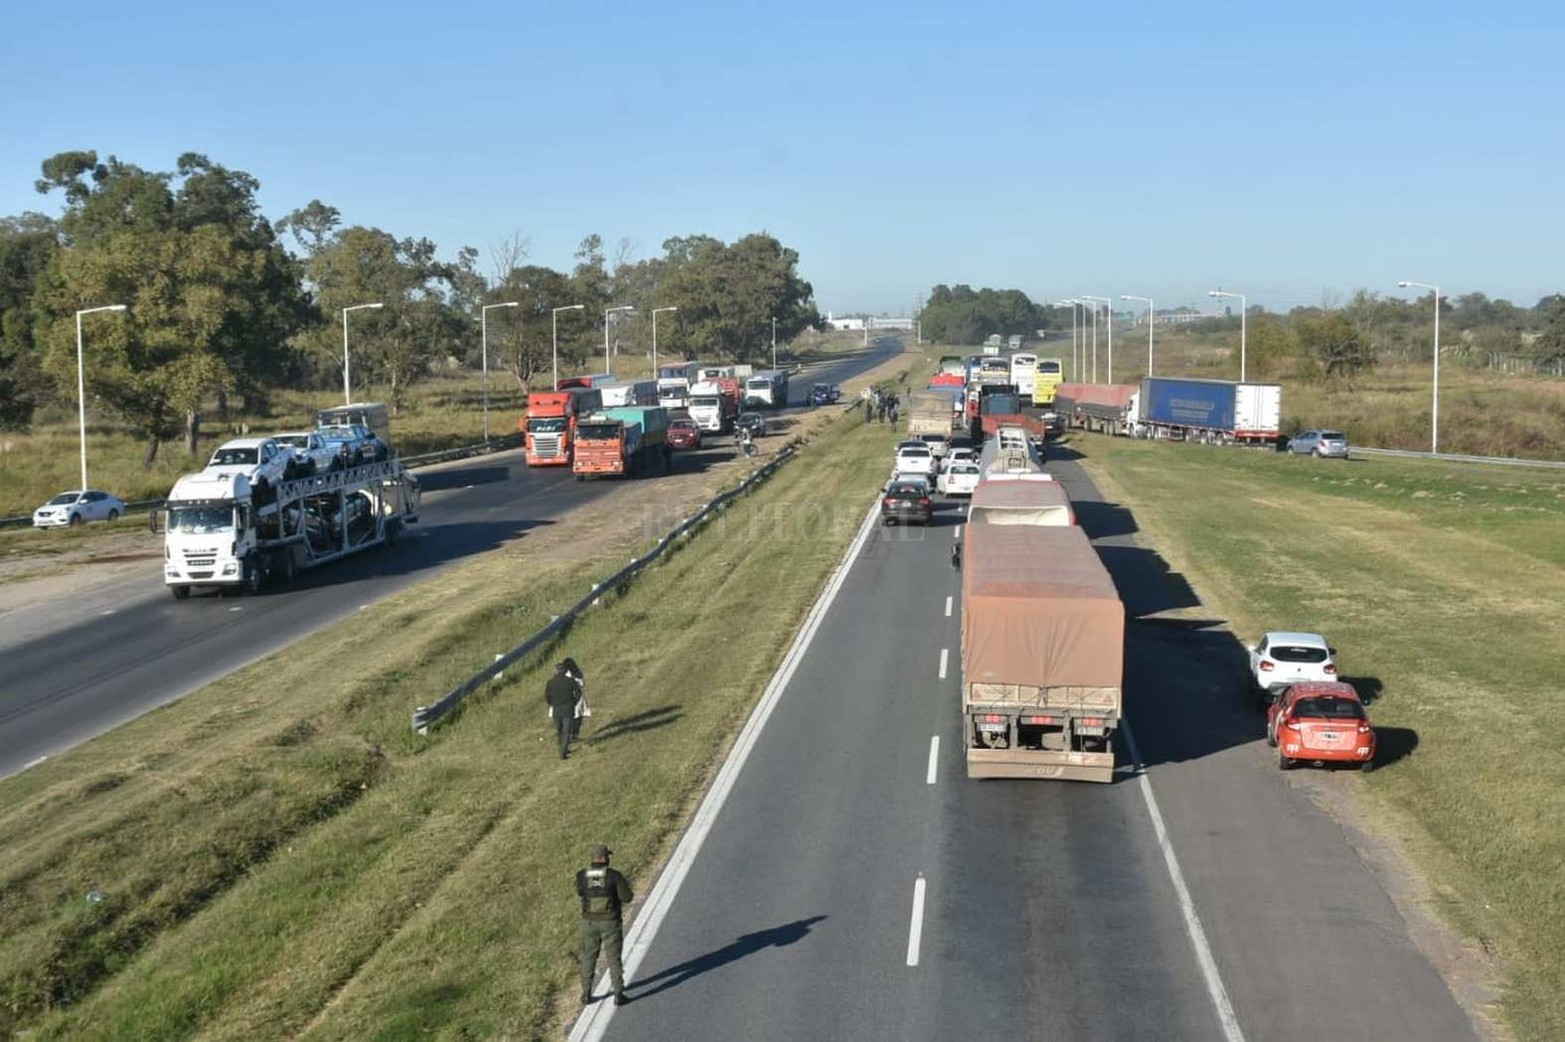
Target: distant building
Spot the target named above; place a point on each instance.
(1179, 316)
(845, 324)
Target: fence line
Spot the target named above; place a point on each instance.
(424, 716)
(1447, 457)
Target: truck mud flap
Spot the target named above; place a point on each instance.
(1036, 763)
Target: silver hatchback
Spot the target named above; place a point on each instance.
(1332, 444)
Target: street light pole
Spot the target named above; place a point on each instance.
(554, 321)
(1108, 303)
(1075, 364)
(347, 393)
(1243, 308)
(607, 365)
(483, 325)
(1434, 423)
(655, 313)
(1151, 321)
(81, 382)
(774, 341)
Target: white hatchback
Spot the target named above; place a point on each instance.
(914, 457)
(1283, 657)
(959, 479)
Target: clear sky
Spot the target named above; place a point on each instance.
(1064, 148)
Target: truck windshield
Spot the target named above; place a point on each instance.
(703, 403)
(547, 425)
(200, 520)
(597, 431)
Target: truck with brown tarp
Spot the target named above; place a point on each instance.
(1043, 637)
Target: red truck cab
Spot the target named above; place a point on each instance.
(550, 424)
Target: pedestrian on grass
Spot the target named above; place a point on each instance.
(869, 412)
(580, 711)
(604, 894)
(562, 695)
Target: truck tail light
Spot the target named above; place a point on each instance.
(991, 718)
(1035, 720)
(1091, 721)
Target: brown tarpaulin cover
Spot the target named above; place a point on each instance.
(1038, 608)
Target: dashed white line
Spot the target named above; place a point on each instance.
(956, 532)
(1226, 1018)
(934, 759)
(916, 931)
(34, 763)
(948, 607)
(944, 652)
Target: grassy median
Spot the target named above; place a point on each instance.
(1446, 585)
(277, 855)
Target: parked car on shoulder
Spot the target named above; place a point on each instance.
(825, 394)
(259, 459)
(354, 443)
(916, 458)
(1320, 444)
(959, 479)
(684, 434)
(1283, 657)
(311, 453)
(753, 422)
(1320, 722)
(907, 499)
(77, 507)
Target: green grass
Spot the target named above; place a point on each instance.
(278, 855)
(1447, 584)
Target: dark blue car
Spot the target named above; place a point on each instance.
(824, 394)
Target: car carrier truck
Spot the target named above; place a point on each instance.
(1043, 637)
(227, 531)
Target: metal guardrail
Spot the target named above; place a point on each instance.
(424, 716)
(426, 459)
(1446, 457)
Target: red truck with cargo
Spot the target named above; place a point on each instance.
(550, 423)
(622, 442)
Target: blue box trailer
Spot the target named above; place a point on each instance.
(1211, 410)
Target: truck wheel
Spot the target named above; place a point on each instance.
(287, 566)
(179, 592)
(393, 532)
(250, 576)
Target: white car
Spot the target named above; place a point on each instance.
(914, 457)
(939, 444)
(958, 455)
(959, 479)
(69, 509)
(259, 459)
(311, 453)
(1283, 657)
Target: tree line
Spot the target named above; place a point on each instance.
(221, 302)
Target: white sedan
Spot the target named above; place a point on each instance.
(70, 509)
(914, 457)
(959, 479)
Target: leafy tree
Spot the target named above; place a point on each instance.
(1333, 341)
(1549, 347)
(959, 315)
(728, 295)
(1268, 345)
(27, 246)
(522, 341)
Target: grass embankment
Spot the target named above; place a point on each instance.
(1447, 585)
(277, 855)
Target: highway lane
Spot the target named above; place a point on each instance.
(1048, 908)
(74, 672)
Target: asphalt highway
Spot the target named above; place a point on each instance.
(857, 885)
(72, 670)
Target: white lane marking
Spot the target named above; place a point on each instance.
(934, 759)
(943, 653)
(948, 607)
(107, 611)
(34, 763)
(956, 533)
(236, 608)
(594, 1020)
(1226, 1018)
(915, 932)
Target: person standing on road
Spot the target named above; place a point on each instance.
(562, 694)
(604, 894)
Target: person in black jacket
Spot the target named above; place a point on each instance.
(573, 671)
(604, 894)
(562, 694)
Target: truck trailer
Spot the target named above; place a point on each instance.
(1020, 499)
(622, 442)
(1214, 411)
(224, 530)
(1103, 408)
(1043, 636)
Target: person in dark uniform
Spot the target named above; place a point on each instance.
(561, 693)
(869, 411)
(604, 894)
(579, 678)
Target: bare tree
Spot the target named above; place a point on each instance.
(508, 253)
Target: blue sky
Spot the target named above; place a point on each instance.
(1070, 148)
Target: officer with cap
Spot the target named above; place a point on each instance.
(604, 894)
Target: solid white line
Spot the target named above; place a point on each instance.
(934, 759)
(1203, 951)
(594, 1020)
(943, 653)
(948, 607)
(34, 763)
(916, 931)
(956, 533)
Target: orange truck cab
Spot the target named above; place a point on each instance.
(622, 442)
(550, 424)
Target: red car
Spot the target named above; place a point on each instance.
(684, 434)
(1320, 722)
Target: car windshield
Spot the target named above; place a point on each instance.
(683, 425)
(296, 441)
(234, 457)
(547, 425)
(1294, 653)
(63, 499)
(200, 520)
(935, 439)
(1329, 709)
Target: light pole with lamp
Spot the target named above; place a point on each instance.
(1075, 366)
(1434, 423)
(774, 341)
(483, 325)
(655, 313)
(607, 313)
(347, 394)
(554, 322)
(1151, 321)
(1108, 305)
(81, 382)
(1091, 305)
(1243, 308)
